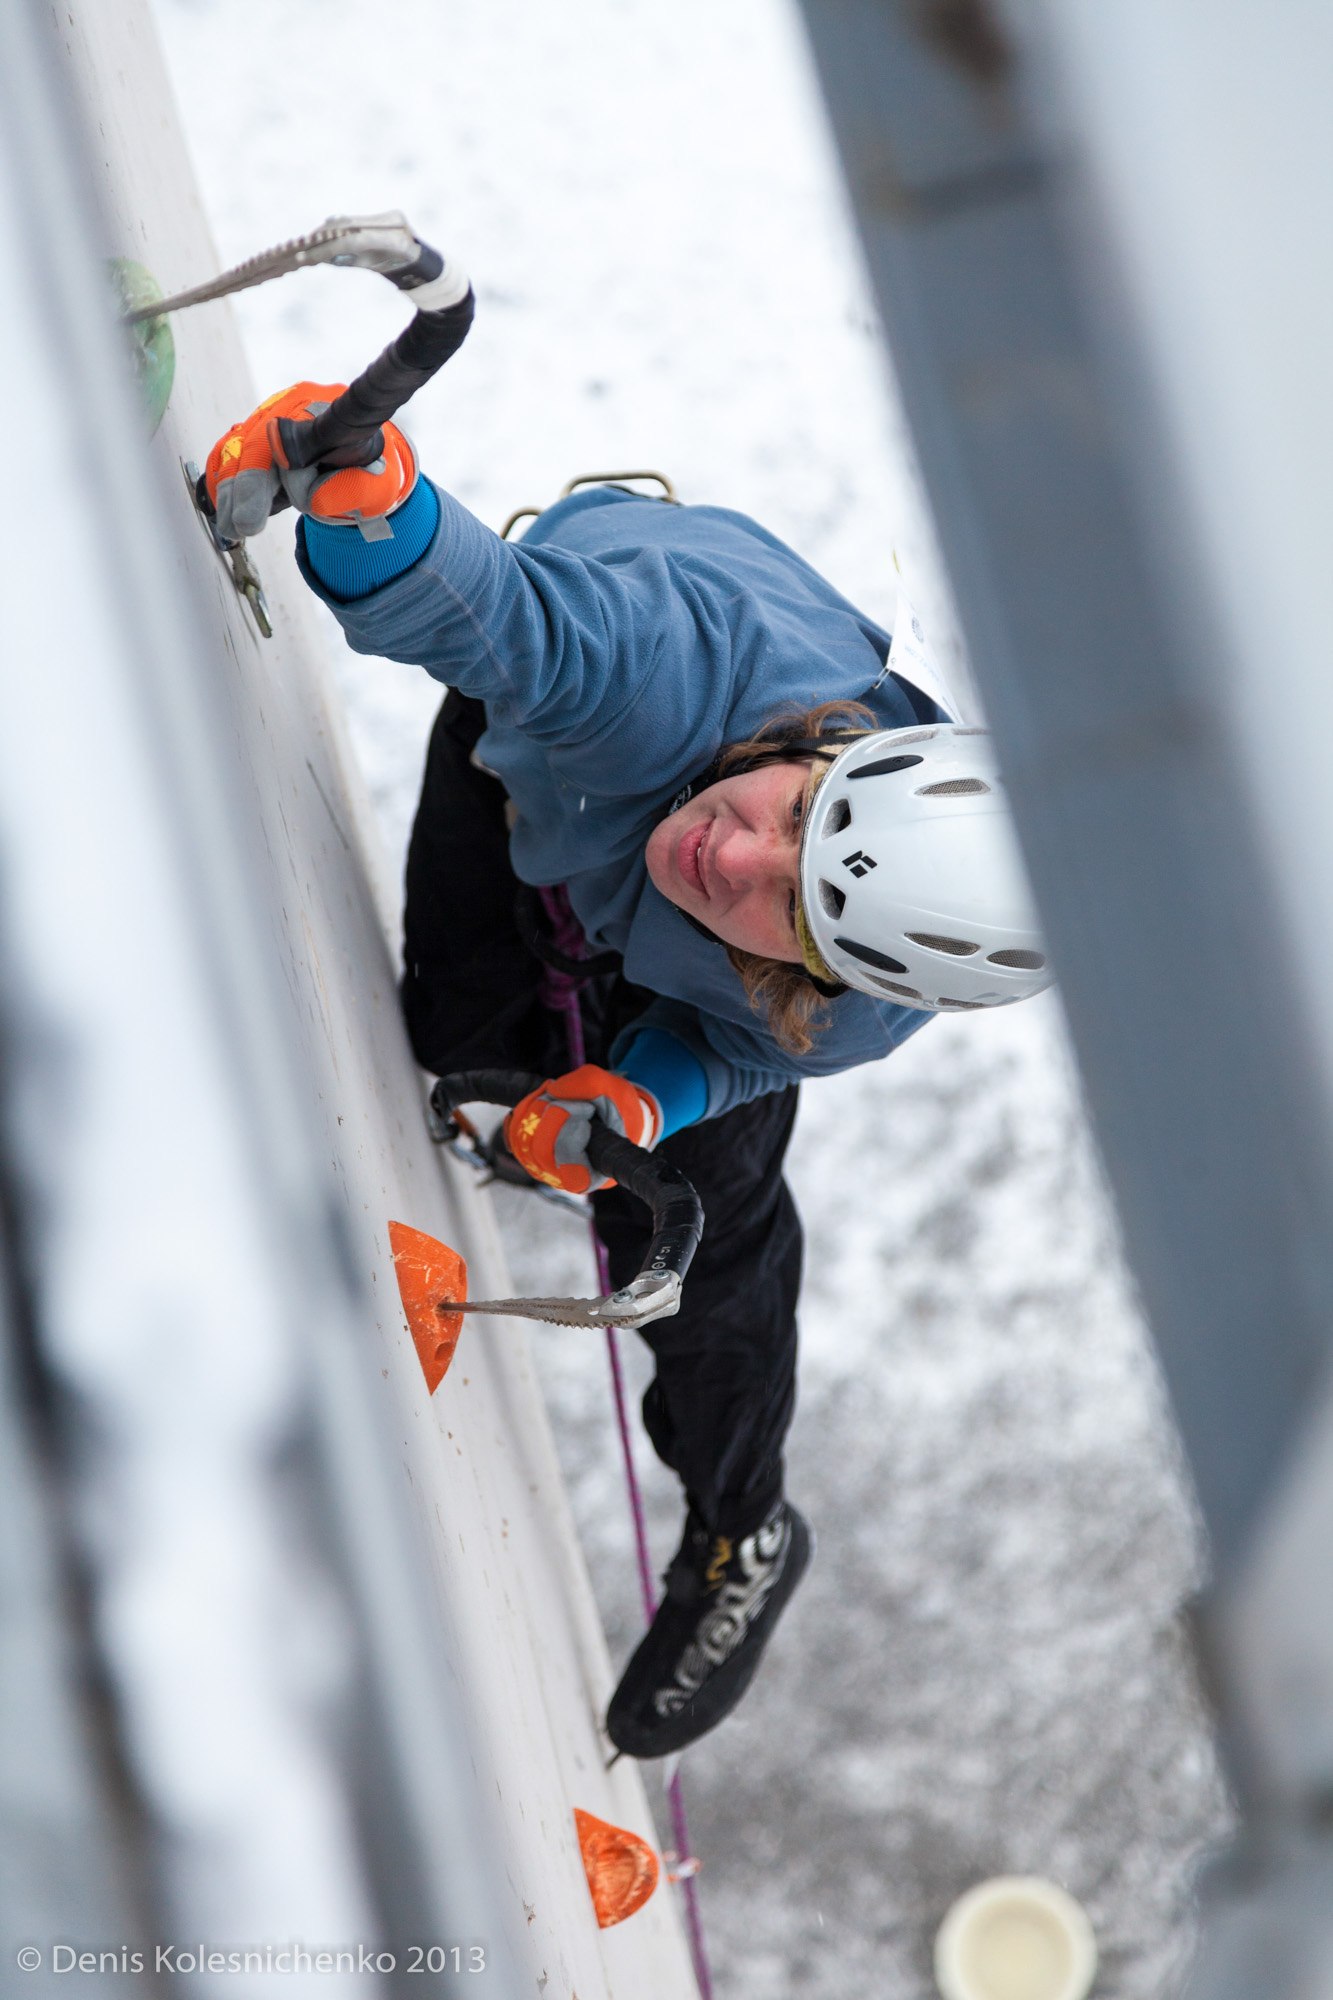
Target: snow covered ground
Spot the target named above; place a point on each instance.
(986, 1671)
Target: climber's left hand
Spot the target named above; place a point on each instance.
(547, 1131)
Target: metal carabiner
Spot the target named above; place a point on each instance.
(622, 479)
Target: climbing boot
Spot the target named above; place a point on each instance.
(723, 1598)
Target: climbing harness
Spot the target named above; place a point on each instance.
(624, 480)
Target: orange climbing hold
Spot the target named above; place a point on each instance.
(431, 1277)
(621, 1868)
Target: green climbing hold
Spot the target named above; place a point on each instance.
(151, 342)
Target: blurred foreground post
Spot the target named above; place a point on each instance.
(1111, 320)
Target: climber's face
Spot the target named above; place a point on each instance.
(731, 858)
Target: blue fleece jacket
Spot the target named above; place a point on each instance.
(617, 648)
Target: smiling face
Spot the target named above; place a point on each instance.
(731, 858)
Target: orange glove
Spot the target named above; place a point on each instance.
(247, 469)
(547, 1131)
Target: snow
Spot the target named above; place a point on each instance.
(987, 1671)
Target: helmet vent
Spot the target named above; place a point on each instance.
(903, 992)
(1022, 961)
(960, 1006)
(868, 955)
(832, 898)
(881, 767)
(954, 788)
(839, 817)
(956, 947)
(902, 737)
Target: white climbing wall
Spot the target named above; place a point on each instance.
(476, 1460)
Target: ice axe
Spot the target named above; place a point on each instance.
(349, 431)
(432, 1278)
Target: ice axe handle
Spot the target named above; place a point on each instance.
(348, 432)
(677, 1212)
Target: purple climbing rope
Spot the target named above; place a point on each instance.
(560, 993)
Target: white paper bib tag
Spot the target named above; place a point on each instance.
(911, 657)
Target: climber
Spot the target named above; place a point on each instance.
(784, 857)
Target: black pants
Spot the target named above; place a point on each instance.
(724, 1391)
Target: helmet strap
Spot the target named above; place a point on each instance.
(784, 750)
(828, 990)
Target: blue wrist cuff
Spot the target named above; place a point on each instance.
(676, 1078)
(349, 566)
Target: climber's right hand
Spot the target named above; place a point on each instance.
(248, 475)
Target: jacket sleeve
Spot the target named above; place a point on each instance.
(742, 1062)
(558, 645)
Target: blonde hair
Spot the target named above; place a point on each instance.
(794, 1009)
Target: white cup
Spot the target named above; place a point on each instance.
(1015, 1938)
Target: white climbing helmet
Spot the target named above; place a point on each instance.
(912, 888)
